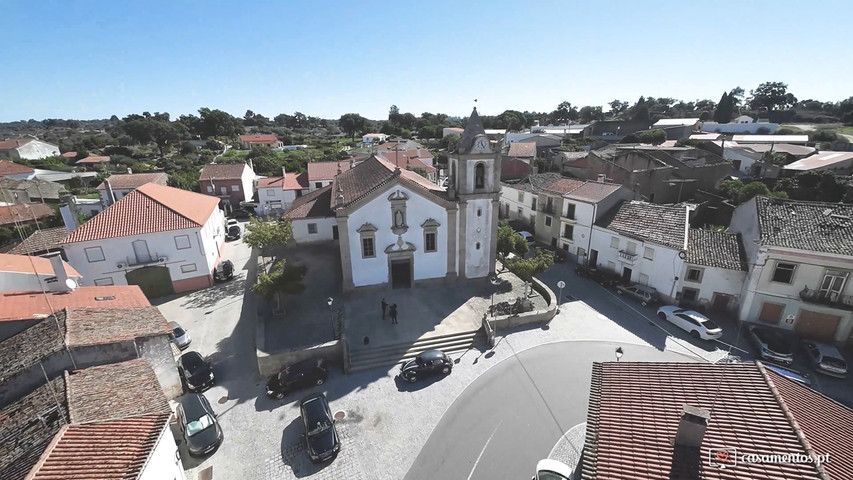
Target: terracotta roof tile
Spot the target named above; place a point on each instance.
(594, 191)
(19, 352)
(24, 212)
(316, 204)
(93, 159)
(522, 149)
(81, 451)
(371, 174)
(26, 264)
(662, 224)
(118, 390)
(292, 181)
(513, 168)
(259, 138)
(93, 326)
(564, 186)
(406, 159)
(69, 154)
(18, 305)
(148, 209)
(815, 226)
(319, 171)
(222, 171)
(635, 409)
(40, 241)
(134, 180)
(534, 183)
(8, 167)
(715, 249)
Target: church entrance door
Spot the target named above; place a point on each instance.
(401, 273)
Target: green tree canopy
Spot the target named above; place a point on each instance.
(771, 95)
(527, 268)
(509, 241)
(282, 279)
(352, 123)
(723, 113)
(655, 137)
(267, 233)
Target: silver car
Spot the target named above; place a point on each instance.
(825, 358)
(644, 294)
(180, 336)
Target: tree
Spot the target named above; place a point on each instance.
(185, 180)
(564, 113)
(640, 111)
(509, 241)
(655, 137)
(216, 123)
(617, 107)
(527, 268)
(352, 123)
(845, 111)
(723, 113)
(449, 142)
(261, 234)
(588, 114)
(736, 96)
(282, 279)
(771, 95)
(155, 128)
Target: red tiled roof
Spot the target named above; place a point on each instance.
(513, 168)
(116, 449)
(407, 159)
(292, 181)
(148, 209)
(94, 159)
(662, 224)
(564, 185)
(40, 241)
(522, 149)
(314, 205)
(371, 174)
(222, 171)
(319, 171)
(13, 143)
(24, 212)
(259, 138)
(26, 264)
(69, 154)
(134, 180)
(635, 409)
(8, 167)
(18, 305)
(594, 191)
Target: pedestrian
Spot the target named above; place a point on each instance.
(384, 306)
(394, 313)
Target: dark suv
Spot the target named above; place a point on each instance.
(195, 372)
(199, 427)
(430, 362)
(320, 433)
(303, 374)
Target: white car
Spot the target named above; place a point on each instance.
(698, 325)
(528, 237)
(552, 470)
(180, 336)
(231, 223)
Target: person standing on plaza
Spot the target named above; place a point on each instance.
(394, 313)
(384, 306)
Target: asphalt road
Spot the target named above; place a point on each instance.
(513, 415)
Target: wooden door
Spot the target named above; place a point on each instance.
(817, 326)
(771, 312)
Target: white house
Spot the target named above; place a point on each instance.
(643, 243)
(232, 183)
(839, 163)
(519, 199)
(714, 270)
(117, 186)
(253, 140)
(161, 238)
(23, 273)
(278, 193)
(27, 149)
(397, 228)
(801, 259)
(371, 138)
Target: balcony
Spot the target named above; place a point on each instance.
(830, 299)
(139, 262)
(549, 209)
(627, 257)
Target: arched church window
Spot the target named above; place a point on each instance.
(480, 176)
(479, 212)
(478, 245)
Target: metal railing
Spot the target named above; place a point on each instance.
(627, 256)
(831, 299)
(152, 258)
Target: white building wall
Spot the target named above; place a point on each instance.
(247, 184)
(509, 196)
(324, 230)
(372, 271)
(582, 233)
(37, 149)
(212, 239)
(714, 280)
(744, 128)
(165, 461)
(478, 230)
(268, 195)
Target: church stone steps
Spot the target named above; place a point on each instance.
(393, 354)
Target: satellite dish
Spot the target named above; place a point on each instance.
(71, 284)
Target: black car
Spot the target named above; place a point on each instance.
(772, 345)
(302, 374)
(200, 429)
(224, 271)
(240, 213)
(596, 275)
(320, 433)
(195, 372)
(429, 362)
(233, 233)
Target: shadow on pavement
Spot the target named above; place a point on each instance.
(405, 386)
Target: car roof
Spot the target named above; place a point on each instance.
(191, 357)
(432, 355)
(174, 325)
(525, 234)
(193, 406)
(313, 405)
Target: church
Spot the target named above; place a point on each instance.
(396, 228)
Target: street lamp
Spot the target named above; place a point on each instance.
(619, 353)
(329, 302)
(561, 284)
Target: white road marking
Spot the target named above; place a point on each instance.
(483, 450)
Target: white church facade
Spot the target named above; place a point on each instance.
(395, 228)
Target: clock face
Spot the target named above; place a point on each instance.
(481, 144)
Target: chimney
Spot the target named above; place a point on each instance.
(339, 200)
(129, 171)
(691, 427)
(61, 284)
(68, 212)
(283, 174)
(602, 177)
(111, 198)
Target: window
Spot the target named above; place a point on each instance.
(547, 221)
(104, 281)
(520, 196)
(480, 176)
(478, 245)
(318, 184)
(694, 275)
(614, 242)
(210, 189)
(568, 231)
(644, 279)
(94, 254)
(188, 268)
(429, 242)
(182, 242)
(224, 190)
(632, 247)
(479, 212)
(270, 192)
(784, 272)
(533, 203)
(570, 211)
(520, 212)
(689, 294)
(235, 188)
(312, 228)
(367, 250)
(649, 253)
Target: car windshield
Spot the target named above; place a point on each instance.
(548, 475)
(199, 425)
(320, 427)
(179, 332)
(192, 362)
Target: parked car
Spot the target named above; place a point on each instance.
(179, 336)
(801, 378)
(644, 294)
(320, 433)
(771, 344)
(430, 362)
(233, 233)
(825, 358)
(302, 374)
(231, 223)
(197, 420)
(240, 213)
(528, 237)
(698, 325)
(224, 271)
(195, 372)
(548, 469)
(599, 276)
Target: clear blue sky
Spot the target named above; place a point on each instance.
(82, 59)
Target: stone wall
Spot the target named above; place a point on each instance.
(536, 316)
